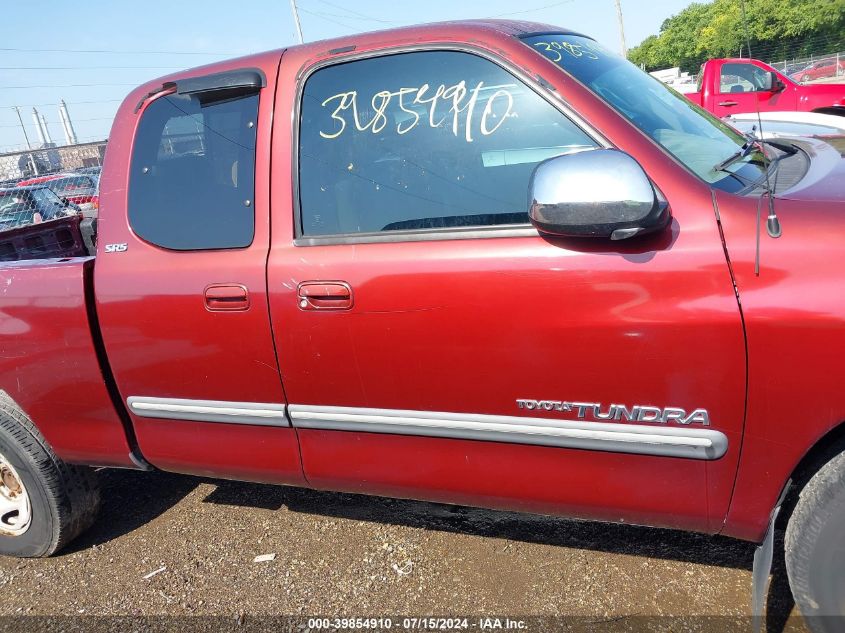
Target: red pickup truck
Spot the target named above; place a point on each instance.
(482, 262)
(732, 86)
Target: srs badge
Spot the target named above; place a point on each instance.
(619, 412)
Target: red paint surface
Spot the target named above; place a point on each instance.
(232, 451)
(794, 96)
(794, 312)
(48, 364)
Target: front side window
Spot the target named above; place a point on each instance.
(742, 78)
(427, 140)
(192, 179)
(691, 134)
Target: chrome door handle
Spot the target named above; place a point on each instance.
(728, 104)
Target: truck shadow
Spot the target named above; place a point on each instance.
(153, 493)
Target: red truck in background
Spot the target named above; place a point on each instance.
(732, 86)
(317, 267)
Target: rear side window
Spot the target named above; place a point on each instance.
(192, 179)
(425, 140)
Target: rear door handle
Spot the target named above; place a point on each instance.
(324, 295)
(728, 104)
(226, 298)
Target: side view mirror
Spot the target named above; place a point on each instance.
(595, 193)
(772, 83)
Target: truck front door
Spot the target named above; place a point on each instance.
(740, 89)
(434, 345)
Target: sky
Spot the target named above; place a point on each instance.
(129, 43)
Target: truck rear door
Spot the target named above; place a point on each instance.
(433, 345)
(180, 277)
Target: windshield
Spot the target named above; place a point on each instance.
(71, 186)
(697, 139)
(44, 195)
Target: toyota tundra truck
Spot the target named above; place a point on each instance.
(486, 263)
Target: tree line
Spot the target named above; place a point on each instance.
(777, 30)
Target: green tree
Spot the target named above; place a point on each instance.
(775, 29)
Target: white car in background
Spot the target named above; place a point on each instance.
(791, 124)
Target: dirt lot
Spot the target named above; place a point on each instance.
(340, 554)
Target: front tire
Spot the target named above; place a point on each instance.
(815, 547)
(44, 502)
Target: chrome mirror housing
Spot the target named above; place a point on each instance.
(595, 193)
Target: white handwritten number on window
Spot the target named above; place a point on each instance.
(421, 104)
(575, 50)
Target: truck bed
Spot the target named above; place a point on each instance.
(63, 237)
(51, 360)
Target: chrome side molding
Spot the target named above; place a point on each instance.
(263, 414)
(638, 439)
(686, 442)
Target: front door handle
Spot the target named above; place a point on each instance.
(728, 104)
(226, 298)
(324, 295)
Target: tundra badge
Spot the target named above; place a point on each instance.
(618, 412)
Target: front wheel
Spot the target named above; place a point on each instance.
(44, 502)
(815, 548)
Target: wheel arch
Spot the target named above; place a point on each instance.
(817, 455)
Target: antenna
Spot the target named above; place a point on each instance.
(773, 227)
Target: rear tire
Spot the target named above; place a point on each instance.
(44, 502)
(815, 547)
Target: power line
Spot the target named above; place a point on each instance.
(113, 52)
(328, 19)
(360, 15)
(64, 86)
(102, 118)
(326, 14)
(81, 67)
(19, 149)
(44, 105)
(548, 6)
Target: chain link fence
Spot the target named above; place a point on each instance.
(814, 68)
(47, 160)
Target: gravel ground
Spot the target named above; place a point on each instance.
(342, 554)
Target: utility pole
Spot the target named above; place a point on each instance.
(621, 27)
(26, 137)
(296, 20)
